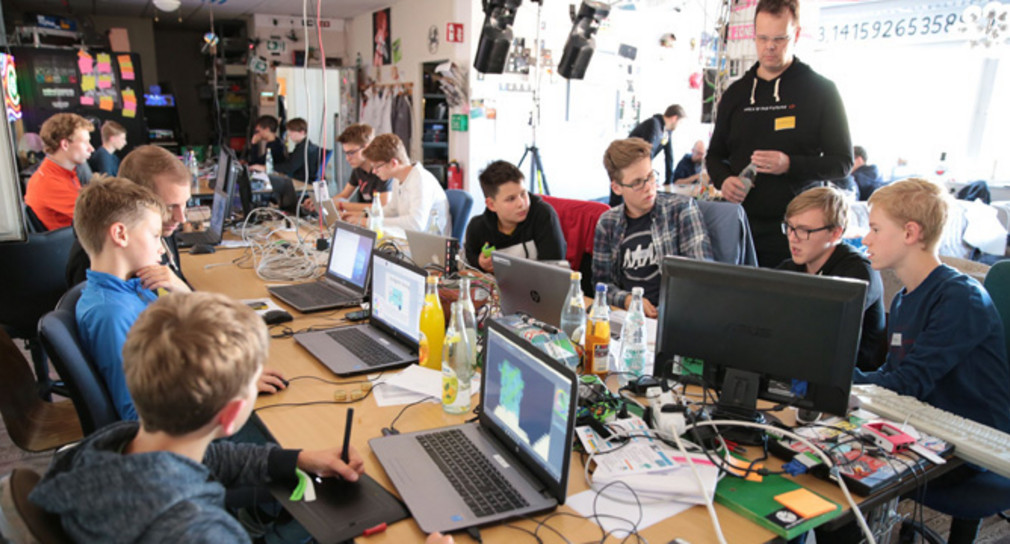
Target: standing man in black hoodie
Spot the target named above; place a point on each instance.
(515, 222)
(787, 120)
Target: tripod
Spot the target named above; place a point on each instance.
(537, 176)
(538, 181)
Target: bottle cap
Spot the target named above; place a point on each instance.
(601, 287)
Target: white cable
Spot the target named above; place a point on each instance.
(701, 485)
(825, 457)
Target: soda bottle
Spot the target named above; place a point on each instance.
(457, 367)
(375, 215)
(633, 341)
(432, 327)
(573, 313)
(598, 334)
(469, 320)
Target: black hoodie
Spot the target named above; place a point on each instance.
(799, 113)
(541, 227)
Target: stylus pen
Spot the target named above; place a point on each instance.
(347, 435)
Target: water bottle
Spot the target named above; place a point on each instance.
(469, 322)
(433, 226)
(270, 162)
(573, 313)
(194, 169)
(747, 176)
(457, 366)
(598, 334)
(633, 341)
(375, 215)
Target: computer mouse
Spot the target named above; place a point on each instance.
(200, 249)
(274, 317)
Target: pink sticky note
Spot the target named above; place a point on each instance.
(104, 82)
(84, 62)
(87, 101)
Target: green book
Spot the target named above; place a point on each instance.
(756, 502)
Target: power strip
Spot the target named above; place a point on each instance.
(667, 413)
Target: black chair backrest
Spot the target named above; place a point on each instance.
(58, 332)
(34, 223)
(69, 299)
(32, 279)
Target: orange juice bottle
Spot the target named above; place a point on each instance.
(598, 334)
(432, 327)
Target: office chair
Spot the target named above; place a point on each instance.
(85, 386)
(578, 220)
(21, 521)
(34, 223)
(997, 283)
(33, 425)
(32, 280)
(729, 232)
(460, 204)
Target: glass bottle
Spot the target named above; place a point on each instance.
(194, 169)
(269, 163)
(457, 368)
(633, 340)
(433, 226)
(375, 216)
(598, 334)
(469, 321)
(573, 313)
(432, 327)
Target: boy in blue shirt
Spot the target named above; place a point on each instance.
(946, 342)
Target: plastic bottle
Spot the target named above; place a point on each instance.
(457, 366)
(432, 327)
(573, 313)
(194, 168)
(433, 226)
(375, 216)
(598, 334)
(633, 340)
(469, 321)
(270, 162)
(748, 175)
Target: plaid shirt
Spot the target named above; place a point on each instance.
(677, 229)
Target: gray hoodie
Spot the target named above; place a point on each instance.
(102, 495)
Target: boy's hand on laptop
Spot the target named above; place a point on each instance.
(485, 263)
(327, 463)
(439, 538)
(159, 276)
(647, 307)
(271, 381)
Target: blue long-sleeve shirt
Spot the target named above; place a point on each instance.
(946, 348)
(107, 309)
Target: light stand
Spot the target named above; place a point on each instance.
(537, 177)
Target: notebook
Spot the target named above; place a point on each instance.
(219, 211)
(521, 441)
(390, 338)
(532, 287)
(346, 280)
(435, 249)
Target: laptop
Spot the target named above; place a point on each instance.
(346, 280)
(330, 213)
(219, 211)
(521, 442)
(532, 287)
(390, 338)
(435, 249)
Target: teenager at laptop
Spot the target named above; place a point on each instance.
(294, 166)
(632, 238)
(363, 184)
(513, 222)
(178, 469)
(415, 194)
(157, 169)
(814, 224)
(265, 139)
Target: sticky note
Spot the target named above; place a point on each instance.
(104, 61)
(106, 103)
(84, 62)
(805, 503)
(88, 83)
(130, 114)
(87, 101)
(104, 82)
(125, 67)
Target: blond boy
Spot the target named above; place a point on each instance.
(104, 159)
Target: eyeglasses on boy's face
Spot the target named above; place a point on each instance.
(800, 232)
(639, 184)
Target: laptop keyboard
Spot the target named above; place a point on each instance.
(478, 482)
(364, 347)
(312, 293)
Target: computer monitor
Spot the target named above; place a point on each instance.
(219, 182)
(781, 336)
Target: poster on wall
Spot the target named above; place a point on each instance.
(380, 36)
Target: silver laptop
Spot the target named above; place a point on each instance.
(532, 287)
(428, 249)
(514, 460)
(219, 211)
(330, 213)
(346, 280)
(391, 337)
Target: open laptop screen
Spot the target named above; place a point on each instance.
(397, 297)
(529, 401)
(350, 256)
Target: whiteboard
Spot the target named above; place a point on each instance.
(12, 224)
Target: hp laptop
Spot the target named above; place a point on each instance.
(513, 461)
(391, 337)
(346, 280)
(219, 211)
(532, 287)
(435, 249)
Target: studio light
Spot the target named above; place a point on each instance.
(580, 45)
(495, 36)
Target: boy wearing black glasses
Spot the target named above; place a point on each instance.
(814, 223)
(632, 238)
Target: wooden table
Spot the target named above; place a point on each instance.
(321, 426)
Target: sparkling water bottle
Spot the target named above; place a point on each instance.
(469, 322)
(457, 367)
(633, 340)
(270, 162)
(573, 314)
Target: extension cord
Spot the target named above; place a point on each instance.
(671, 420)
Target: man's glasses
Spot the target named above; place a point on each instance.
(639, 184)
(777, 40)
(800, 232)
(350, 152)
(380, 165)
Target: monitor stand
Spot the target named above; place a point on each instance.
(738, 401)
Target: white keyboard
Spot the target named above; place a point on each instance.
(974, 442)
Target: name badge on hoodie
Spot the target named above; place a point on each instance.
(896, 339)
(785, 123)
